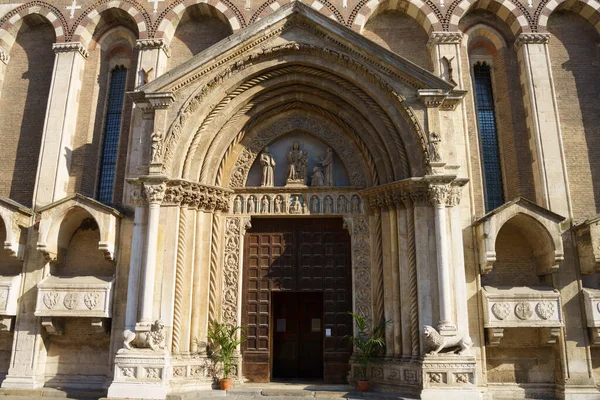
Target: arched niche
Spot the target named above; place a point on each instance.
(316, 150)
(59, 221)
(539, 226)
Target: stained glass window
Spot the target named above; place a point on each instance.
(488, 136)
(112, 130)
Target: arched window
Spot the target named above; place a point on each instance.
(112, 130)
(488, 136)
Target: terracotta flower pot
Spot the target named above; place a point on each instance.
(225, 383)
(363, 386)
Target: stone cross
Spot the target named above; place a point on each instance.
(72, 8)
(155, 4)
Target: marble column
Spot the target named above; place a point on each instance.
(438, 195)
(60, 123)
(155, 191)
(549, 164)
(135, 262)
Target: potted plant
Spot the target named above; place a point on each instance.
(225, 340)
(368, 343)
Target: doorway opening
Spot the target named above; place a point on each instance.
(298, 335)
(297, 292)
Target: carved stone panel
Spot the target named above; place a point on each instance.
(9, 293)
(81, 296)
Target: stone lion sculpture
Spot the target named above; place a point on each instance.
(436, 342)
(153, 339)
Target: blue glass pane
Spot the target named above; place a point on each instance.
(112, 130)
(488, 136)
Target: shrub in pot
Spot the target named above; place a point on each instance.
(368, 343)
(225, 339)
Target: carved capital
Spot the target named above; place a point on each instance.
(153, 44)
(444, 38)
(196, 196)
(154, 192)
(454, 196)
(419, 196)
(438, 194)
(532, 38)
(71, 47)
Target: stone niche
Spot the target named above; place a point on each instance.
(592, 313)
(521, 307)
(74, 297)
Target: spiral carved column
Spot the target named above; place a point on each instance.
(179, 281)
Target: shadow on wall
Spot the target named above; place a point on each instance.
(23, 105)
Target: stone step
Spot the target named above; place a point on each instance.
(254, 393)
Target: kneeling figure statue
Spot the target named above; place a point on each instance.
(436, 342)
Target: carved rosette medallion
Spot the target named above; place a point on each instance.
(362, 271)
(179, 372)
(501, 310)
(128, 372)
(231, 270)
(435, 377)
(71, 300)
(50, 299)
(523, 311)
(153, 373)
(462, 377)
(91, 300)
(545, 309)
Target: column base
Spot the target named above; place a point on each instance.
(141, 374)
(449, 377)
(21, 382)
(577, 392)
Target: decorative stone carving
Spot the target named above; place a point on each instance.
(588, 245)
(196, 196)
(157, 141)
(521, 307)
(155, 192)
(297, 166)
(75, 297)
(153, 339)
(317, 178)
(361, 264)
(436, 342)
(449, 376)
(434, 147)
(350, 155)
(327, 164)
(289, 201)
(231, 270)
(541, 226)
(78, 208)
(9, 294)
(268, 172)
(16, 218)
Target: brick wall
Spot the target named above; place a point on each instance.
(23, 108)
(194, 36)
(576, 72)
(402, 35)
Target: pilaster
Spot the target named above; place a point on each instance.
(4, 59)
(549, 164)
(60, 123)
(444, 48)
(152, 59)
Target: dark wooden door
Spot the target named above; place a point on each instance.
(297, 256)
(297, 335)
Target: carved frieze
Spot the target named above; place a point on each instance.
(196, 196)
(306, 202)
(231, 269)
(81, 296)
(521, 307)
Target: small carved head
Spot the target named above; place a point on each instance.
(428, 330)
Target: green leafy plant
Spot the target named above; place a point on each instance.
(225, 340)
(368, 342)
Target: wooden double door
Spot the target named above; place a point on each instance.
(297, 292)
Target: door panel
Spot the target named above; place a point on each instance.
(299, 256)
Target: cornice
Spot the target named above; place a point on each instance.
(444, 38)
(69, 47)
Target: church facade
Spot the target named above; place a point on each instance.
(276, 165)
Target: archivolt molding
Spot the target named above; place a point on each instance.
(193, 104)
(425, 13)
(514, 13)
(588, 9)
(268, 107)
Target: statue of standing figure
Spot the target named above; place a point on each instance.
(297, 165)
(268, 163)
(327, 163)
